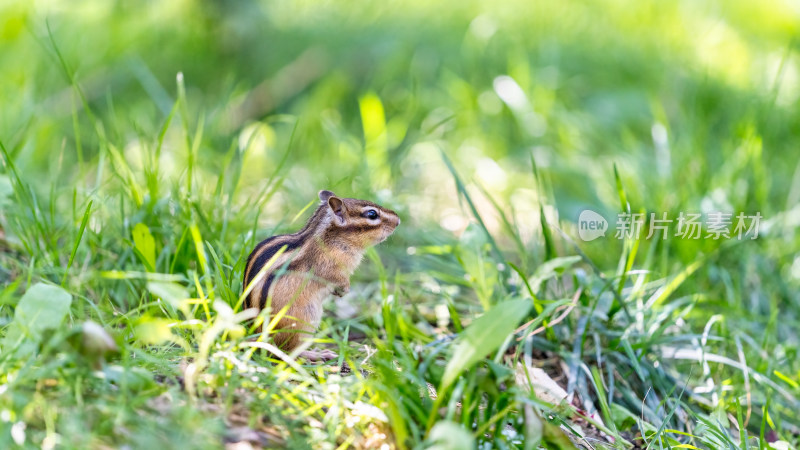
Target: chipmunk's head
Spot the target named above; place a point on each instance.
(364, 222)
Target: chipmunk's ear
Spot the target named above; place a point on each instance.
(337, 207)
(325, 195)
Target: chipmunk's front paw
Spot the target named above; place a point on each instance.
(318, 355)
(340, 291)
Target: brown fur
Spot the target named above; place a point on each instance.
(318, 261)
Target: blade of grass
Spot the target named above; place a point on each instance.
(462, 190)
(81, 229)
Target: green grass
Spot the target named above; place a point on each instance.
(146, 148)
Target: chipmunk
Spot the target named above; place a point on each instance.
(317, 261)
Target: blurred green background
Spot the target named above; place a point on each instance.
(693, 103)
(378, 89)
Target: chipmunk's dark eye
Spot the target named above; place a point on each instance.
(371, 214)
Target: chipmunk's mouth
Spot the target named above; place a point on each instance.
(385, 235)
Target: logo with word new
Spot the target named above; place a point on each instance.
(591, 225)
(690, 225)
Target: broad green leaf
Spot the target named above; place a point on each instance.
(172, 293)
(143, 242)
(43, 307)
(153, 331)
(447, 435)
(483, 335)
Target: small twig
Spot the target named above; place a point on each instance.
(556, 321)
